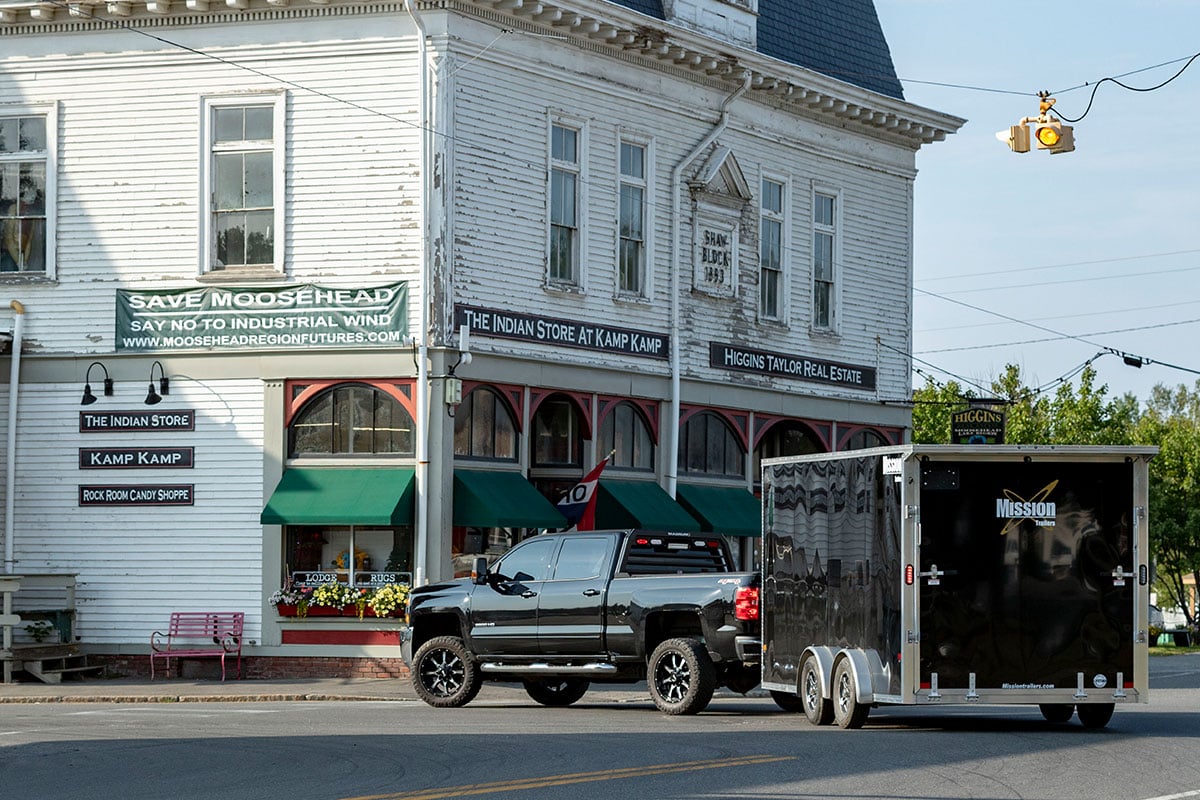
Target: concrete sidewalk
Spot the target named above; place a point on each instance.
(183, 690)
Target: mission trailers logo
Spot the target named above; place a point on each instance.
(1037, 509)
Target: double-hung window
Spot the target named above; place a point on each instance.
(631, 254)
(770, 250)
(564, 205)
(244, 183)
(824, 261)
(27, 191)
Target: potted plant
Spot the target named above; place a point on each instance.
(387, 599)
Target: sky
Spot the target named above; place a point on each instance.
(1045, 260)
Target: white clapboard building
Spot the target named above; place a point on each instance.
(303, 293)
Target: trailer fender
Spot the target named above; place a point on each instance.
(868, 672)
(825, 660)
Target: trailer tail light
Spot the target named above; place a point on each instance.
(908, 575)
(745, 603)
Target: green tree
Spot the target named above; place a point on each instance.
(932, 406)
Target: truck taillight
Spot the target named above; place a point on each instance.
(745, 603)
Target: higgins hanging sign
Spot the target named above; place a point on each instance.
(220, 318)
(978, 425)
(742, 359)
(561, 332)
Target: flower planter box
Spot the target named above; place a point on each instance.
(290, 610)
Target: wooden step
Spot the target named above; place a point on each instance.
(53, 663)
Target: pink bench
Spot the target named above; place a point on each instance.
(199, 635)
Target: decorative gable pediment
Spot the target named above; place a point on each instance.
(721, 180)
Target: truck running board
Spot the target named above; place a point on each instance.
(553, 669)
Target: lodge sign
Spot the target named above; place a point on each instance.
(136, 457)
(743, 359)
(175, 494)
(561, 332)
(136, 421)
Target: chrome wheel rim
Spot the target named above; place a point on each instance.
(443, 673)
(672, 677)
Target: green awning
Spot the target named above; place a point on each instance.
(640, 504)
(486, 499)
(722, 509)
(342, 496)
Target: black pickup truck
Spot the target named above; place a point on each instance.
(562, 610)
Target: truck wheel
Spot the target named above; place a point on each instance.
(1094, 715)
(1057, 713)
(788, 701)
(445, 674)
(556, 691)
(682, 677)
(817, 707)
(847, 711)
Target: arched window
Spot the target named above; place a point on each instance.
(864, 438)
(557, 441)
(786, 439)
(626, 434)
(484, 427)
(352, 419)
(708, 446)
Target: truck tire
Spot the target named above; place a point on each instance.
(788, 701)
(682, 677)
(816, 706)
(445, 674)
(1094, 715)
(847, 711)
(555, 692)
(1058, 713)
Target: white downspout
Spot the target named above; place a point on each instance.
(10, 467)
(672, 437)
(422, 421)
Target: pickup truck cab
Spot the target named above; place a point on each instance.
(562, 610)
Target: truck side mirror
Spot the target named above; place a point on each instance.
(479, 572)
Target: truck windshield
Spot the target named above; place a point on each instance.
(666, 555)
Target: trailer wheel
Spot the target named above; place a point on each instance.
(847, 711)
(682, 677)
(1057, 713)
(1094, 715)
(817, 707)
(445, 674)
(556, 692)
(788, 701)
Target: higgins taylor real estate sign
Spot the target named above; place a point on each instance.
(300, 316)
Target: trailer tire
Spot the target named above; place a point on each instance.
(681, 676)
(1094, 715)
(847, 711)
(445, 674)
(1058, 713)
(788, 701)
(818, 708)
(555, 692)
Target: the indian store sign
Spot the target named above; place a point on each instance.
(277, 317)
(561, 332)
(786, 365)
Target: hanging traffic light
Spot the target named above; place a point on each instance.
(1016, 137)
(1050, 134)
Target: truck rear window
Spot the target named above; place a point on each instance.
(668, 555)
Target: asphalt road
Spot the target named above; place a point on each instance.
(612, 745)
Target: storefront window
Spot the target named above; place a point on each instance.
(785, 439)
(352, 419)
(708, 446)
(864, 438)
(319, 554)
(484, 428)
(557, 441)
(625, 434)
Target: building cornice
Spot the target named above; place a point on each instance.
(594, 24)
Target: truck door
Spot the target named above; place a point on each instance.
(504, 610)
(1024, 573)
(571, 607)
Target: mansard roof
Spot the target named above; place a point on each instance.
(842, 39)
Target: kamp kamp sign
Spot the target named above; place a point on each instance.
(287, 317)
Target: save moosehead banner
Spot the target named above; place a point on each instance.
(221, 318)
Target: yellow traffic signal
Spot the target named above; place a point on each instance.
(1052, 135)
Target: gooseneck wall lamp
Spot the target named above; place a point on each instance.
(88, 397)
(164, 385)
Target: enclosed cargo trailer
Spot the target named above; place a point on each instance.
(939, 574)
